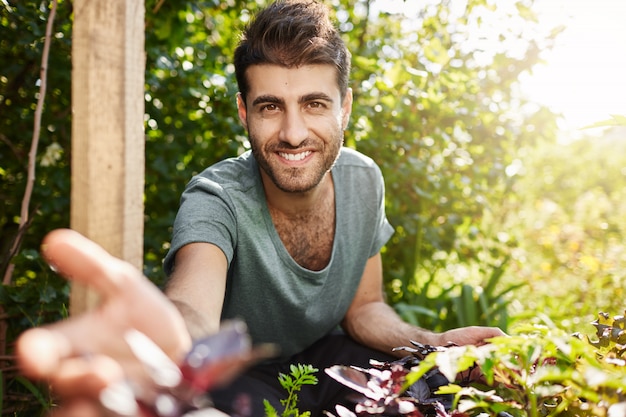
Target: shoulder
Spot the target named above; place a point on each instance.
(353, 165)
(352, 157)
(233, 173)
(359, 177)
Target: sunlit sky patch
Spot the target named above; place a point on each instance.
(584, 77)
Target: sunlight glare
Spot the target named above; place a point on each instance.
(584, 75)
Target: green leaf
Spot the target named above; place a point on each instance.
(299, 375)
(615, 120)
(449, 389)
(269, 410)
(35, 391)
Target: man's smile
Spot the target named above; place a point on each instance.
(294, 156)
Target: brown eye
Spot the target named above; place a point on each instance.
(269, 107)
(317, 105)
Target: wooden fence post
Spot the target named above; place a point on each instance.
(108, 64)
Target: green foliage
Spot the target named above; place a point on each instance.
(37, 298)
(22, 28)
(443, 122)
(435, 306)
(611, 338)
(539, 371)
(40, 393)
(568, 222)
(615, 120)
(293, 382)
(466, 160)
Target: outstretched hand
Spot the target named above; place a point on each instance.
(472, 335)
(84, 354)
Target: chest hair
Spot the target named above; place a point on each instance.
(308, 237)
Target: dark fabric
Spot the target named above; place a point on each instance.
(244, 397)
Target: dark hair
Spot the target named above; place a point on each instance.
(292, 33)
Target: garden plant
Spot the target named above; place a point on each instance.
(496, 222)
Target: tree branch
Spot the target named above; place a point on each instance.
(32, 155)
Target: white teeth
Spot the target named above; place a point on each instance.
(294, 157)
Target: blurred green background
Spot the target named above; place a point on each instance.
(501, 216)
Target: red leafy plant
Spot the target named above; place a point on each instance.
(390, 389)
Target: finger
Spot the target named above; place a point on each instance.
(39, 352)
(42, 352)
(84, 261)
(85, 377)
(47, 354)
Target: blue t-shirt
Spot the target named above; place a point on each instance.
(282, 302)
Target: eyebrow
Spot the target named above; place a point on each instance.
(267, 99)
(315, 96)
(306, 98)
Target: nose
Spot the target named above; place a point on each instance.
(294, 128)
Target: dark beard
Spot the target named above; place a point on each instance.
(291, 180)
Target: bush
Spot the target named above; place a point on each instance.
(536, 372)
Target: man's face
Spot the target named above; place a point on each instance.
(295, 120)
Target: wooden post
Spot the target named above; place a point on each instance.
(108, 63)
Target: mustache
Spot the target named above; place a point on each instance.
(286, 146)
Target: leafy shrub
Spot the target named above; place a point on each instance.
(38, 297)
(539, 371)
(431, 305)
(569, 222)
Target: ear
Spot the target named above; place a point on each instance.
(346, 109)
(242, 111)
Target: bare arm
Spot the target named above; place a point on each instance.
(372, 322)
(197, 287)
